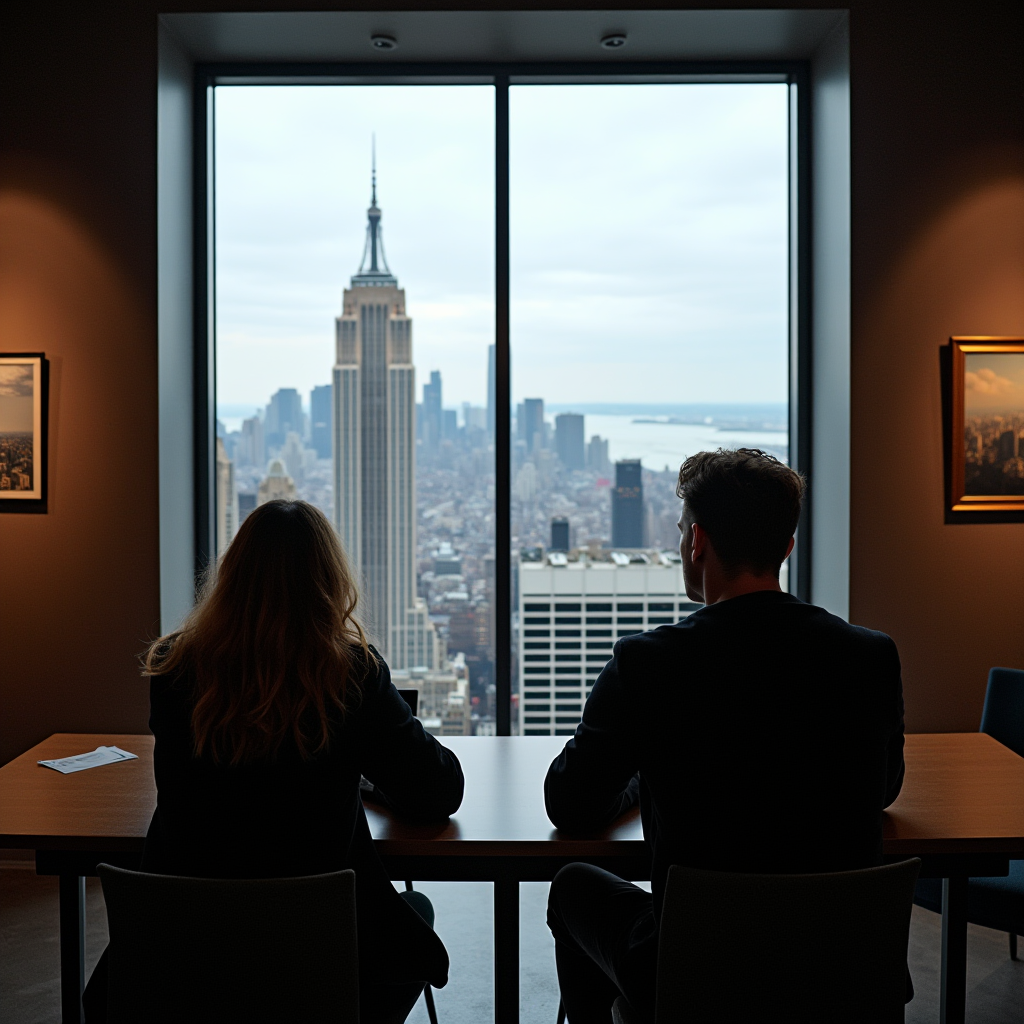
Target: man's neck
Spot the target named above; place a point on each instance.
(726, 588)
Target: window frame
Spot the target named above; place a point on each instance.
(501, 75)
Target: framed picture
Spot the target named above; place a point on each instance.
(24, 380)
(986, 449)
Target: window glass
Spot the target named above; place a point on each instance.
(649, 320)
(354, 342)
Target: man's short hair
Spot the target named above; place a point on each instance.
(747, 501)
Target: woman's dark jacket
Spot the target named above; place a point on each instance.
(286, 816)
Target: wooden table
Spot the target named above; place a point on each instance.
(961, 810)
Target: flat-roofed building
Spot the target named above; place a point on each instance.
(572, 609)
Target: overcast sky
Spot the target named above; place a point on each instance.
(15, 397)
(649, 236)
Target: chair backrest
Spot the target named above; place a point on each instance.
(825, 948)
(1003, 715)
(226, 950)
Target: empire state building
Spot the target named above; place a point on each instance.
(375, 455)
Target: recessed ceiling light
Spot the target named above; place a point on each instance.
(614, 40)
(379, 42)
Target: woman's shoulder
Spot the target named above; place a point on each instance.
(369, 673)
(171, 693)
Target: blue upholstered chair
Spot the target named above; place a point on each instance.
(994, 902)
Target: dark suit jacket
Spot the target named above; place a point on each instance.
(767, 733)
(290, 817)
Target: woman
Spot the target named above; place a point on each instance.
(267, 706)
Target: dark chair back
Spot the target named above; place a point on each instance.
(1003, 714)
(226, 950)
(827, 949)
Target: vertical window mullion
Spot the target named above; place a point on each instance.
(503, 418)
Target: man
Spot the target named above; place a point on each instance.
(760, 734)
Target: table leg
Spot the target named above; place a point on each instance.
(953, 999)
(506, 952)
(72, 947)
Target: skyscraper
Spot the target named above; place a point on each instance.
(284, 413)
(250, 450)
(559, 534)
(1006, 446)
(569, 444)
(374, 454)
(532, 430)
(320, 420)
(491, 390)
(432, 412)
(628, 505)
(597, 455)
(227, 498)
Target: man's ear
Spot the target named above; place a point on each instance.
(698, 541)
(789, 547)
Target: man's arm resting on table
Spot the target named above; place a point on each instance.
(593, 780)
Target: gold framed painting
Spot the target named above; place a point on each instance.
(986, 450)
(24, 383)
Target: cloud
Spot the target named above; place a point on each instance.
(16, 380)
(988, 382)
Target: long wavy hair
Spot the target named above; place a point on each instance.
(272, 647)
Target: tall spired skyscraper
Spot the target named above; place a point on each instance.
(374, 455)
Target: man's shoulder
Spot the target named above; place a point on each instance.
(783, 617)
(658, 642)
(831, 625)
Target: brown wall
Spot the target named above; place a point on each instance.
(938, 248)
(937, 116)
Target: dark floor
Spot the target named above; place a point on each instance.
(29, 957)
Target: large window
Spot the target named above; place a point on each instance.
(649, 275)
(480, 325)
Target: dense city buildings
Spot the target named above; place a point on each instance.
(16, 470)
(628, 505)
(994, 454)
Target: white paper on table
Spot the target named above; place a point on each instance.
(79, 762)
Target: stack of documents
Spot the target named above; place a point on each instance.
(79, 762)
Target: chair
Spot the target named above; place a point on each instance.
(994, 902)
(428, 995)
(833, 947)
(229, 950)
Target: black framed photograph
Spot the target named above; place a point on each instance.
(986, 449)
(24, 380)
